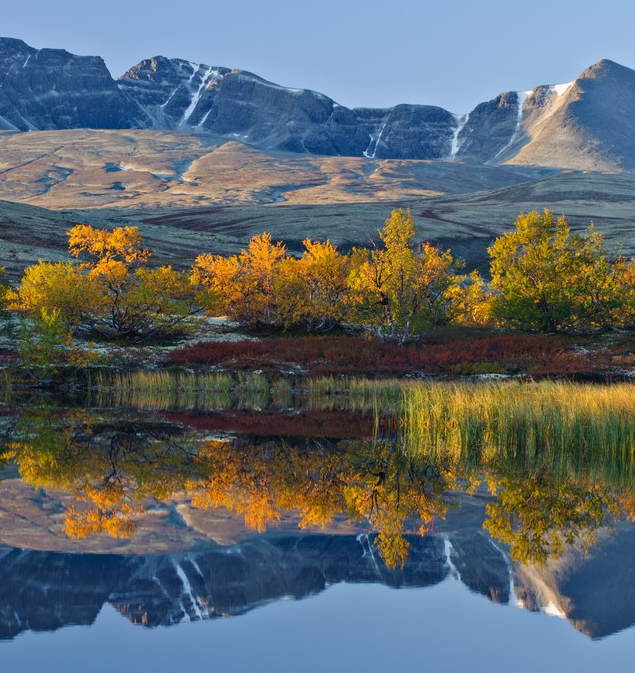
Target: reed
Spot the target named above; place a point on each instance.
(567, 429)
(6, 385)
(162, 390)
(564, 428)
(379, 396)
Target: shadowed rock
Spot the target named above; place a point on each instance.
(52, 89)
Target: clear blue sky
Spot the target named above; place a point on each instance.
(455, 53)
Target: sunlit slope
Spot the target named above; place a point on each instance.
(160, 169)
(586, 125)
(467, 223)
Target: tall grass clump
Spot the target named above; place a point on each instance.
(164, 390)
(568, 429)
(6, 385)
(379, 396)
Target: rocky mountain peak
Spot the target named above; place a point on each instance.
(53, 89)
(586, 124)
(10, 45)
(603, 68)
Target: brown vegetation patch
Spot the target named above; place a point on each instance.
(536, 355)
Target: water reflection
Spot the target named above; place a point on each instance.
(112, 466)
(405, 486)
(45, 591)
(116, 464)
(108, 464)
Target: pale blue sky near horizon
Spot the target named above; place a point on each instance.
(361, 54)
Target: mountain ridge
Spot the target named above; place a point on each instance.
(584, 125)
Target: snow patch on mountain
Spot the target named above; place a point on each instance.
(461, 121)
(206, 79)
(170, 97)
(561, 89)
(371, 150)
(195, 68)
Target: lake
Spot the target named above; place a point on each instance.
(453, 525)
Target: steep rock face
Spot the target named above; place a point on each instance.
(407, 131)
(184, 96)
(489, 129)
(52, 89)
(169, 91)
(240, 105)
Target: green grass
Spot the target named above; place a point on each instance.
(567, 429)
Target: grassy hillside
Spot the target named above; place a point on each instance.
(189, 196)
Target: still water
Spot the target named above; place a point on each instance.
(292, 539)
(348, 627)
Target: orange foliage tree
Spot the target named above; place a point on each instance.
(242, 286)
(310, 291)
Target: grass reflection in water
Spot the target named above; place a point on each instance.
(558, 457)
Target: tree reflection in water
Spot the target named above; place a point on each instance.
(110, 465)
(114, 465)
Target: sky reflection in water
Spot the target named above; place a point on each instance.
(365, 628)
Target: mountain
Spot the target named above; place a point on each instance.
(585, 125)
(184, 96)
(52, 89)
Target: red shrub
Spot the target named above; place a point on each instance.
(348, 355)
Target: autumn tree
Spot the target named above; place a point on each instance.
(242, 286)
(102, 247)
(310, 291)
(57, 299)
(111, 291)
(608, 293)
(549, 279)
(471, 301)
(399, 289)
(4, 289)
(61, 288)
(139, 302)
